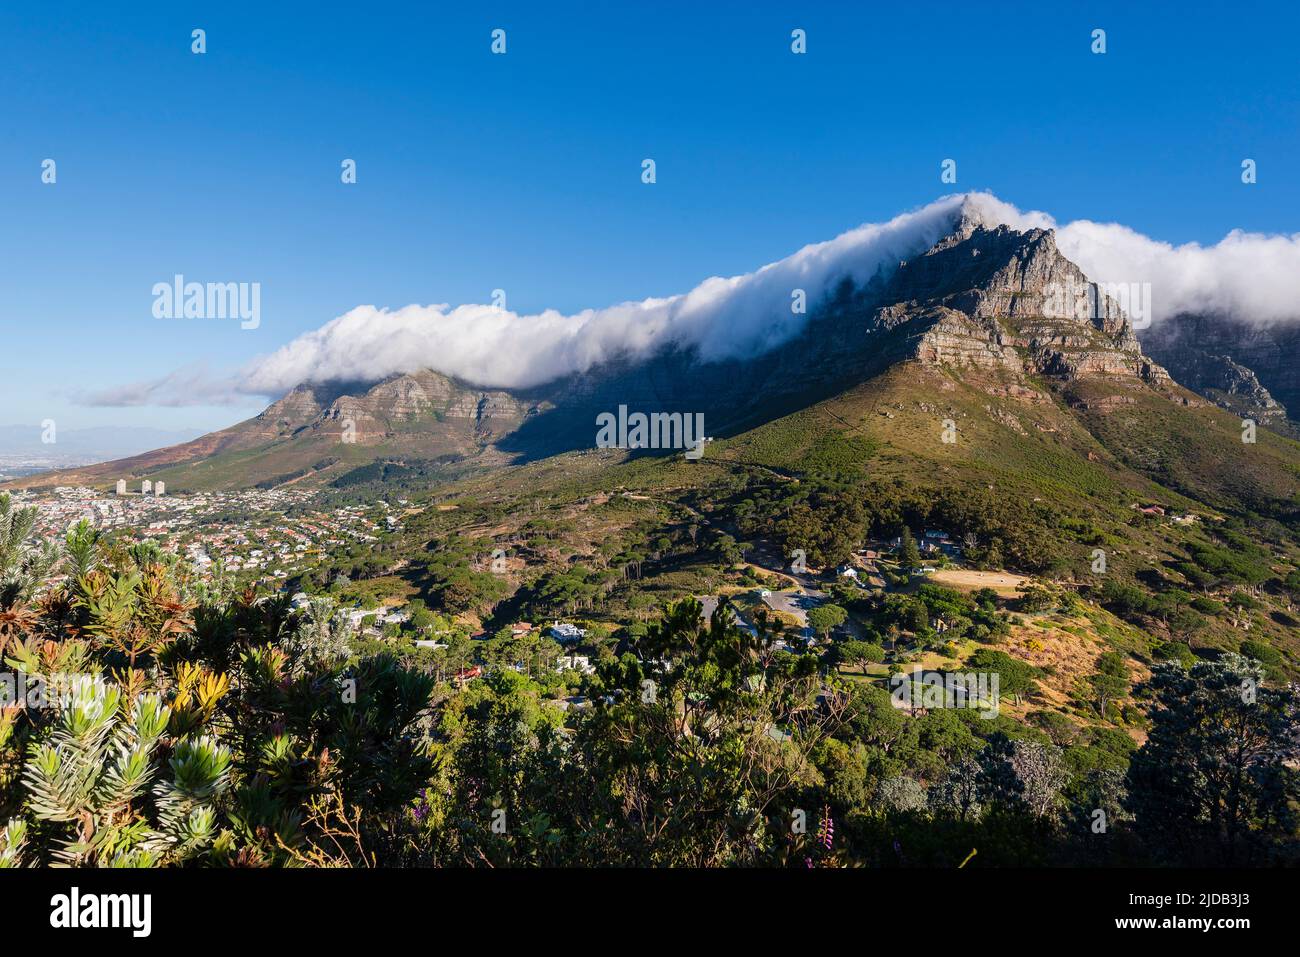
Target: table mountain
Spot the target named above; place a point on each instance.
(999, 307)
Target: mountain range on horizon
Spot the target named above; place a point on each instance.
(997, 307)
(85, 446)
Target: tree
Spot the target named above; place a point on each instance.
(1185, 623)
(730, 550)
(1110, 681)
(893, 633)
(909, 556)
(423, 621)
(826, 618)
(861, 653)
(901, 794)
(960, 791)
(917, 617)
(1015, 677)
(1022, 772)
(1038, 771)
(466, 590)
(1034, 598)
(1215, 779)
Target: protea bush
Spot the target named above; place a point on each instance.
(151, 720)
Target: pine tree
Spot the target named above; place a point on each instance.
(909, 556)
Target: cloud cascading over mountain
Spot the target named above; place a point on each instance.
(1246, 275)
(722, 318)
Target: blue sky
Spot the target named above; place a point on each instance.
(522, 171)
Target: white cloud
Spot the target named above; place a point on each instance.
(191, 385)
(722, 318)
(1249, 276)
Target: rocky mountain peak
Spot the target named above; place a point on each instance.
(994, 295)
(974, 214)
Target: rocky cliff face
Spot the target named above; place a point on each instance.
(993, 296)
(299, 408)
(1251, 370)
(996, 272)
(985, 297)
(401, 405)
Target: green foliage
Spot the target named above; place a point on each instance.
(1015, 677)
(226, 730)
(909, 556)
(23, 563)
(1110, 681)
(1265, 654)
(215, 731)
(826, 618)
(861, 653)
(456, 583)
(1216, 778)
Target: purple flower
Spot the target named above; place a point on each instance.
(826, 830)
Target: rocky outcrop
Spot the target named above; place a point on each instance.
(421, 401)
(956, 339)
(995, 297)
(985, 297)
(1251, 370)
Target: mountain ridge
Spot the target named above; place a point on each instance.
(1245, 367)
(986, 296)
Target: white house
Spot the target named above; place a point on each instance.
(579, 663)
(565, 633)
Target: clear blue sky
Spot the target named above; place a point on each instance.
(523, 171)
